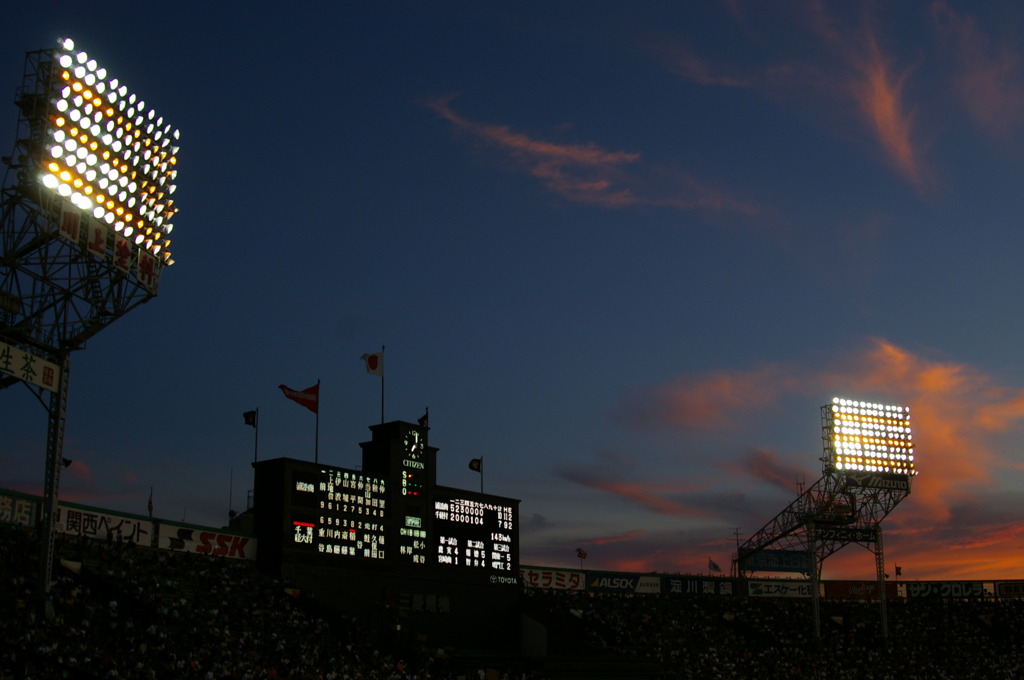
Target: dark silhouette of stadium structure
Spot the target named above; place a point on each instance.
(72, 263)
(387, 538)
(845, 506)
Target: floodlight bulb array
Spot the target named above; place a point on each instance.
(110, 155)
(871, 437)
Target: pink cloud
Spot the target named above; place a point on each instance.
(80, 471)
(587, 173)
(708, 401)
(657, 497)
(868, 76)
(630, 535)
(862, 73)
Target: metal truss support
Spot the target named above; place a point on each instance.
(880, 571)
(54, 463)
(815, 580)
(832, 513)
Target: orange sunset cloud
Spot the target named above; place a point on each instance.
(864, 73)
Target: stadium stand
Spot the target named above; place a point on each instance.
(125, 611)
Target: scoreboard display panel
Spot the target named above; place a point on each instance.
(477, 534)
(390, 514)
(338, 513)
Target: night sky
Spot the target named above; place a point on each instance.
(622, 251)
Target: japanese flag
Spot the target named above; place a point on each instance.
(374, 363)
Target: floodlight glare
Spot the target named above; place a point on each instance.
(868, 437)
(100, 135)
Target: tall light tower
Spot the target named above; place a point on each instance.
(85, 222)
(867, 468)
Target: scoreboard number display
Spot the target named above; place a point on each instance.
(473, 534)
(347, 514)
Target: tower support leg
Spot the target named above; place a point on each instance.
(54, 462)
(880, 569)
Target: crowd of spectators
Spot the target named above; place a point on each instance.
(693, 637)
(120, 611)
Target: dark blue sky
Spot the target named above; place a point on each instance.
(622, 252)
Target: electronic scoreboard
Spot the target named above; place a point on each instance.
(390, 514)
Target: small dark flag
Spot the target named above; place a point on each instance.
(713, 567)
(250, 418)
(899, 570)
(424, 420)
(476, 465)
(581, 553)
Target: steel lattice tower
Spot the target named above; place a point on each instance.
(845, 506)
(73, 259)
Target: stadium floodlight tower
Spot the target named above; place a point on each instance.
(85, 224)
(867, 468)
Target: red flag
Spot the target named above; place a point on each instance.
(374, 363)
(309, 397)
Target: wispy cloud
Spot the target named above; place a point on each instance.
(702, 71)
(880, 93)
(766, 466)
(708, 401)
(658, 497)
(589, 174)
(988, 78)
(863, 74)
(630, 535)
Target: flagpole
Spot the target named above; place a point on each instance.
(256, 442)
(481, 474)
(382, 385)
(316, 435)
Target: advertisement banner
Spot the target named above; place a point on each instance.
(28, 367)
(775, 560)
(878, 480)
(17, 510)
(946, 589)
(779, 588)
(850, 534)
(623, 582)
(683, 585)
(1010, 589)
(857, 590)
(88, 523)
(555, 579)
(183, 538)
